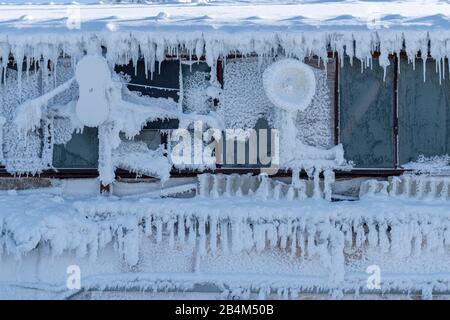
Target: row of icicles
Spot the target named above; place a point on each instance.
(409, 186)
(297, 237)
(265, 188)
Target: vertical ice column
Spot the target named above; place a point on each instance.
(433, 188)
(407, 186)
(203, 189)
(329, 179)
(421, 186)
(444, 190)
(215, 192)
(229, 185)
(2, 123)
(105, 163)
(317, 193)
(395, 182)
(264, 190)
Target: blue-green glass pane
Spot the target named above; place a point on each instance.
(366, 114)
(80, 152)
(424, 112)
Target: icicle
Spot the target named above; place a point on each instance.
(396, 240)
(291, 193)
(293, 239)
(444, 190)
(2, 123)
(372, 236)
(282, 234)
(259, 237)
(192, 232)
(203, 189)
(271, 235)
(417, 240)
(317, 194)
(224, 237)
(421, 184)
(310, 247)
(433, 188)
(360, 236)
(159, 226)
(395, 182)
(407, 185)
(264, 190)
(181, 229)
(383, 237)
(171, 229)
(215, 187)
(229, 185)
(236, 240)
(277, 193)
(213, 235)
(201, 236)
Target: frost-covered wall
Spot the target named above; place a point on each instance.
(121, 47)
(244, 101)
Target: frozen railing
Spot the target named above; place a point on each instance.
(264, 187)
(410, 186)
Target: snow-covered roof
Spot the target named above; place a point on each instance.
(219, 28)
(230, 16)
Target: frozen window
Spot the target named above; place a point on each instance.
(366, 114)
(424, 112)
(80, 152)
(196, 80)
(164, 82)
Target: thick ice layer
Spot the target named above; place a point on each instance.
(406, 238)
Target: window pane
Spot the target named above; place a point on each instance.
(152, 138)
(80, 152)
(195, 82)
(424, 110)
(164, 84)
(366, 114)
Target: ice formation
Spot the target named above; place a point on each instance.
(93, 78)
(290, 85)
(2, 123)
(420, 187)
(321, 234)
(263, 187)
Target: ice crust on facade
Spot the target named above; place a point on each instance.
(244, 234)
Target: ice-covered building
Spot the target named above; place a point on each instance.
(248, 150)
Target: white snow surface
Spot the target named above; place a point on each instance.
(233, 15)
